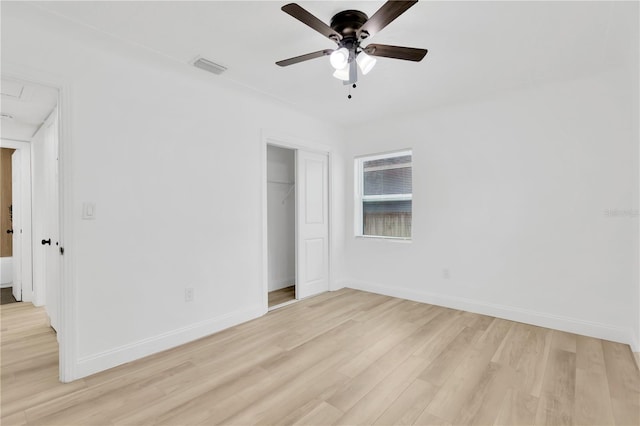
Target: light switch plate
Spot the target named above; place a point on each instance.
(88, 211)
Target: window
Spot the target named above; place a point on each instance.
(383, 195)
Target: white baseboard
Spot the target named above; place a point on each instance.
(108, 359)
(542, 319)
(6, 285)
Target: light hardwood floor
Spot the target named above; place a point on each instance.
(283, 295)
(346, 357)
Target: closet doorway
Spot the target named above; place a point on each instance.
(297, 224)
(281, 224)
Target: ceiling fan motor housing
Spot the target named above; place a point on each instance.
(349, 22)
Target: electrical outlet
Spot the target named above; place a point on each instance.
(188, 294)
(446, 274)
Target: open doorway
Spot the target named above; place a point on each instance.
(281, 224)
(30, 130)
(6, 227)
(296, 219)
(15, 193)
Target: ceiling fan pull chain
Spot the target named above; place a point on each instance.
(354, 86)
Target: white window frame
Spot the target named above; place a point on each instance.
(360, 198)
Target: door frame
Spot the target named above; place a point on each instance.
(67, 299)
(18, 224)
(24, 148)
(289, 142)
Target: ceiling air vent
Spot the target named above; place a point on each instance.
(207, 65)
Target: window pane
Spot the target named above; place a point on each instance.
(403, 159)
(385, 191)
(387, 218)
(387, 176)
(386, 207)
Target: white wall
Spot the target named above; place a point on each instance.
(281, 216)
(511, 196)
(172, 157)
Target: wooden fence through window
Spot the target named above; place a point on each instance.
(388, 224)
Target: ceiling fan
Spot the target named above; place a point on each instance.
(348, 30)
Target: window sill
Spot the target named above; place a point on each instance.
(405, 240)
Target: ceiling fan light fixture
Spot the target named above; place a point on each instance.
(342, 74)
(365, 62)
(339, 58)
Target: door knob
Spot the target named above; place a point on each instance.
(9, 231)
(46, 241)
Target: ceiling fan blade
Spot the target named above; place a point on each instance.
(396, 52)
(385, 15)
(308, 19)
(302, 58)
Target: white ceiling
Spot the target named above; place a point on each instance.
(475, 48)
(27, 106)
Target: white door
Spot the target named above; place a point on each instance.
(39, 215)
(312, 241)
(52, 226)
(16, 223)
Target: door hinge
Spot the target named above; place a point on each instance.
(61, 250)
